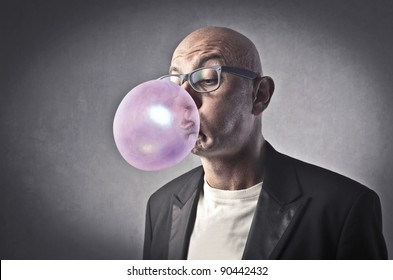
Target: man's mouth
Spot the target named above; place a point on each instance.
(201, 136)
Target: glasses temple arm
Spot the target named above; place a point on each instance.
(240, 72)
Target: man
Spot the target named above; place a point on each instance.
(247, 201)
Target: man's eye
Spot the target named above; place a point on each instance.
(208, 81)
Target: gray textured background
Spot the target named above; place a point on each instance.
(66, 193)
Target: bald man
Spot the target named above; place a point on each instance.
(247, 201)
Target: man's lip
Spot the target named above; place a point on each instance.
(201, 135)
(201, 130)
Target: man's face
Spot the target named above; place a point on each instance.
(226, 113)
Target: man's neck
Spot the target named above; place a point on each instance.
(240, 172)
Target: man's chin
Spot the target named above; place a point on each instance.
(200, 145)
(203, 147)
(197, 150)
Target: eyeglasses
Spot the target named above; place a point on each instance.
(208, 79)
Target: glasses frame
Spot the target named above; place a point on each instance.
(244, 73)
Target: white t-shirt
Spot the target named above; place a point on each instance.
(222, 222)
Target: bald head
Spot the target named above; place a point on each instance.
(227, 45)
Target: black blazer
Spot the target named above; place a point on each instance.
(303, 212)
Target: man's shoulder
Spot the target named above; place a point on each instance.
(319, 181)
(178, 184)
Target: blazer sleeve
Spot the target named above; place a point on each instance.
(148, 234)
(361, 236)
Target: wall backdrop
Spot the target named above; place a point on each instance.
(66, 193)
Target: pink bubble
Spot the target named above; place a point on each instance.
(156, 125)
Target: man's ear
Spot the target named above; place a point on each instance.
(263, 92)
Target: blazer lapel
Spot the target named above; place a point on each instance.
(279, 207)
(270, 227)
(184, 206)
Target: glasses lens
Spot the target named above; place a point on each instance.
(205, 79)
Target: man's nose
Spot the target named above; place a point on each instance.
(196, 96)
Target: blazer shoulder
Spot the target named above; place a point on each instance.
(343, 212)
(316, 179)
